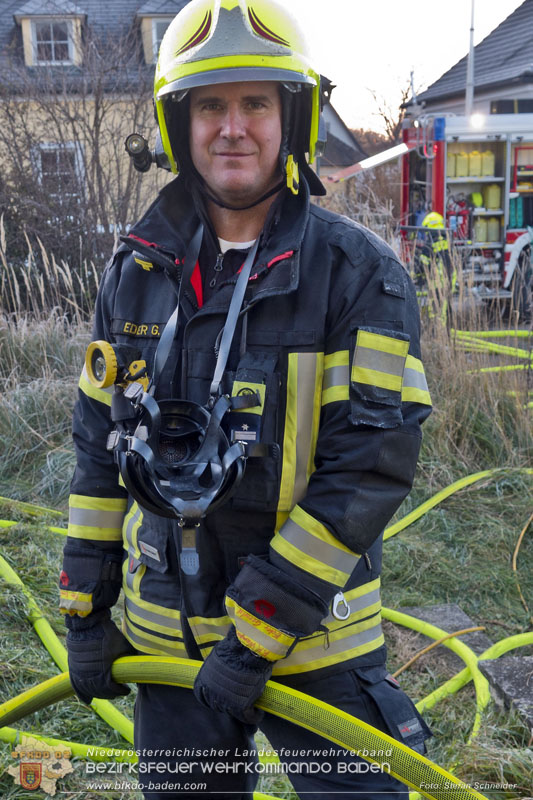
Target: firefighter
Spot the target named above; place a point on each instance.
(436, 252)
(279, 576)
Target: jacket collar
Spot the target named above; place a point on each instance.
(171, 220)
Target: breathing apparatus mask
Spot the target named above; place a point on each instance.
(173, 455)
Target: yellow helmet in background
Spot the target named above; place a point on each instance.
(433, 220)
(228, 41)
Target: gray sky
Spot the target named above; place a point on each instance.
(364, 45)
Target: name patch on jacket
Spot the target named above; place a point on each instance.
(147, 330)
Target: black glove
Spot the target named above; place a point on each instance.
(231, 680)
(91, 652)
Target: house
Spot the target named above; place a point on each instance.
(77, 78)
(503, 72)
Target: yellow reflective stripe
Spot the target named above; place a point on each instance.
(344, 644)
(382, 343)
(101, 534)
(205, 629)
(79, 602)
(246, 387)
(335, 394)
(374, 378)
(154, 621)
(415, 388)
(96, 517)
(379, 360)
(302, 417)
(260, 637)
(97, 503)
(130, 529)
(308, 544)
(152, 644)
(315, 415)
(102, 395)
(289, 436)
(336, 377)
(363, 602)
(145, 605)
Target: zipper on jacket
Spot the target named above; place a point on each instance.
(217, 268)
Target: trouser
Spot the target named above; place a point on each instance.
(212, 755)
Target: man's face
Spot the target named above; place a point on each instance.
(235, 138)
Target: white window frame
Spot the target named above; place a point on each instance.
(155, 41)
(70, 41)
(79, 168)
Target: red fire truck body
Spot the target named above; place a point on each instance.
(477, 172)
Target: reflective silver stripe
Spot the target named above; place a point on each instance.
(95, 519)
(356, 606)
(336, 376)
(377, 359)
(414, 379)
(205, 629)
(131, 525)
(153, 644)
(343, 645)
(302, 416)
(318, 549)
(307, 390)
(257, 637)
(169, 625)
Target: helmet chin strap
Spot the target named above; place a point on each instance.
(214, 199)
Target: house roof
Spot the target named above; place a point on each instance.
(503, 57)
(109, 20)
(48, 8)
(154, 7)
(342, 148)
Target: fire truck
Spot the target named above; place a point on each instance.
(477, 173)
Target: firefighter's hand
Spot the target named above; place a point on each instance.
(91, 652)
(231, 680)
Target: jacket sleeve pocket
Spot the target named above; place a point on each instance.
(396, 713)
(376, 376)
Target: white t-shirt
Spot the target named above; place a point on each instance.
(225, 245)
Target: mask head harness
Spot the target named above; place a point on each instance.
(173, 455)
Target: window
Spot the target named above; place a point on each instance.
(60, 170)
(511, 106)
(159, 27)
(53, 42)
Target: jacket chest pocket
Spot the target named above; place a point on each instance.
(256, 378)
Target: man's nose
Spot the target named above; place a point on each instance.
(233, 123)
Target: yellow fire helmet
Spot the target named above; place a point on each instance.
(228, 41)
(433, 220)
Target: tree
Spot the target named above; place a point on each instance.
(66, 177)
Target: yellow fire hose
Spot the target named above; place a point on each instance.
(352, 734)
(325, 720)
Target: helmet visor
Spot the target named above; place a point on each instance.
(234, 75)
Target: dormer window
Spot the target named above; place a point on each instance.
(53, 42)
(51, 32)
(159, 27)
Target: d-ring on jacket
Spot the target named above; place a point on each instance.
(329, 339)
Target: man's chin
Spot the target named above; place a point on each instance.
(239, 194)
